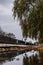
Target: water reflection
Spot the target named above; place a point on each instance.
(41, 57)
(34, 60)
(9, 56)
(25, 60)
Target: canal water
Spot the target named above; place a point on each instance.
(21, 58)
(17, 58)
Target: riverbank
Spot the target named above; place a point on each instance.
(17, 47)
(37, 47)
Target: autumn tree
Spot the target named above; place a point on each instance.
(30, 16)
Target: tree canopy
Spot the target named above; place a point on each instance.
(30, 15)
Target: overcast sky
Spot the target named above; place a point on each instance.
(7, 22)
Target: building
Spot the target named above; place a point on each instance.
(11, 35)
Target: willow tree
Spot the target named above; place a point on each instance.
(30, 15)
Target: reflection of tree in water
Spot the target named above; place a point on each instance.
(41, 57)
(25, 60)
(34, 60)
(7, 57)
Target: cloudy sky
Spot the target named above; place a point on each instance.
(7, 22)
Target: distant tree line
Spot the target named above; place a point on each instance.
(9, 40)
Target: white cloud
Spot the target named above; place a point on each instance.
(5, 10)
(12, 28)
(6, 2)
